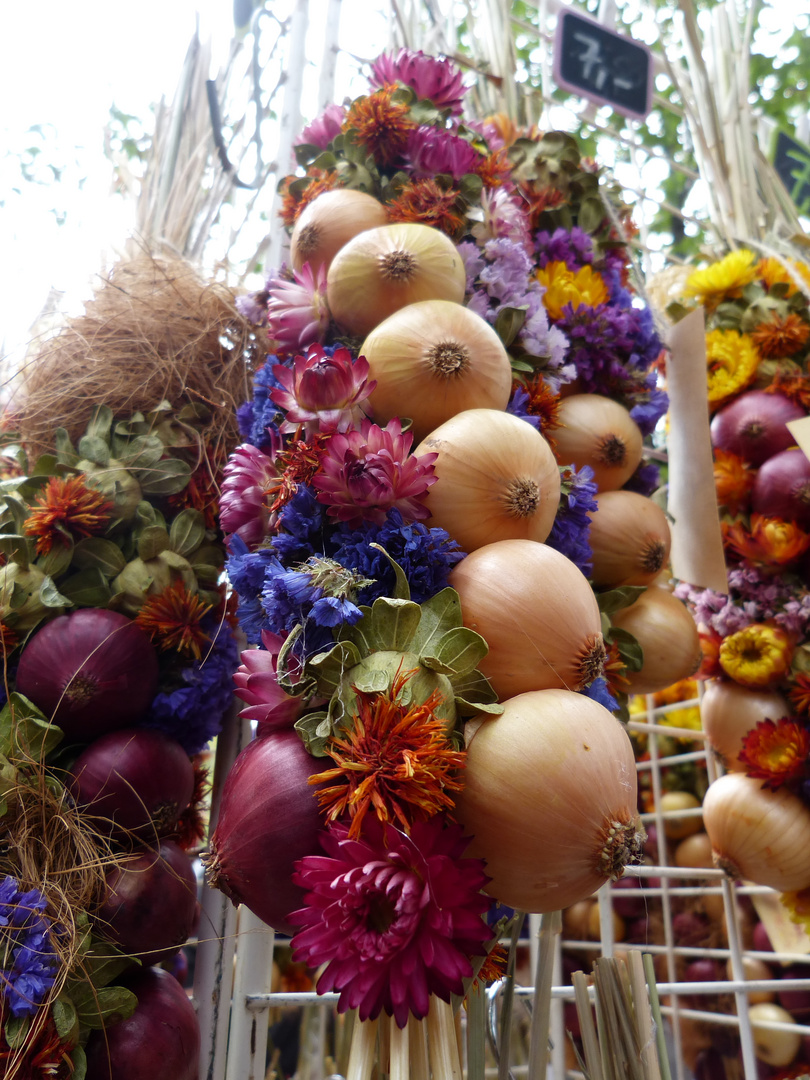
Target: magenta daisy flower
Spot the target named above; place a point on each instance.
(431, 78)
(365, 473)
(394, 918)
(430, 151)
(322, 391)
(248, 477)
(297, 314)
(256, 683)
(324, 128)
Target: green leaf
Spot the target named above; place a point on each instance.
(45, 466)
(143, 453)
(15, 548)
(96, 552)
(470, 187)
(616, 599)
(152, 541)
(65, 1018)
(393, 623)
(474, 688)
(50, 596)
(79, 1061)
(329, 667)
(459, 652)
(630, 649)
(371, 681)
(591, 215)
(16, 1031)
(187, 532)
(467, 708)
(25, 731)
(100, 423)
(65, 452)
(87, 588)
(442, 612)
(168, 477)
(92, 448)
(402, 590)
(509, 323)
(58, 559)
(315, 730)
(99, 1008)
(103, 962)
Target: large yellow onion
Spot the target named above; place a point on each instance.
(757, 834)
(497, 479)
(599, 432)
(329, 222)
(432, 360)
(667, 633)
(550, 799)
(381, 270)
(536, 612)
(630, 539)
(729, 711)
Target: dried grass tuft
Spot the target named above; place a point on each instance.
(154, 330)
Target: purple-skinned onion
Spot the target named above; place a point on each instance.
(90, 672)
(133, 780)
(782, 488)
(753, 426)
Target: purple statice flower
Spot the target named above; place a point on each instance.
(518, 406)
(600, 340)
(549, 344)
(645, 480)
(193, 707)
(713, 609)
(473, 260)
(300, 527)
(265, 414)
(572, 246)
(323, 128)
(431, 78)
(29, 960)
(647, 413)
(431, 151)
(426, 556)
(598, 691)
(246, 572)
(509, 274)
(253, 307)
(571, 529)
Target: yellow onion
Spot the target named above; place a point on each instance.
(383, 269)
(758, 834)
(667, 633)
(536, 612)
(497, 479)
(776, 1048)
(729, 711)
(599, 432)
(329, 222)
(630, 539)
(550, 799)
(432, 360)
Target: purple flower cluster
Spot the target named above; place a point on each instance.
(28, 961)
(571, 530)
(754, 597)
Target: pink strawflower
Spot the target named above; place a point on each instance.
(430, 151)
(431, 78)
(257, 684)
(364, 473)
(297, 314)
(504, 217)
(248, 476)
(394, 918)
(323, 129)
(322, 391)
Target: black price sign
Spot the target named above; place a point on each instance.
(603, 66)
(791, 160)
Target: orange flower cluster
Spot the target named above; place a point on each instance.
(380, 125)
(67, 510)
(425, 202)
(172, 619)
(776, 752)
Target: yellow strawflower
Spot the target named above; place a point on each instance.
(732, 360)
(563, 286)
(759, 655)
(724, 280)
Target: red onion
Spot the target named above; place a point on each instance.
(135, 779)
(91, 671)
(782, 487)
(151, 903)
(760, 940)
(160, 1041)
(268, 819)
(629, 907)
(753, 426)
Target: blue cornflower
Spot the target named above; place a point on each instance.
(426, 556)
(571, 530)
(649, 412)
(318, 594)
(193, 711)
(28, 962)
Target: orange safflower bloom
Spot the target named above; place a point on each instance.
(396, 761)
(67, 510)
(779, 338)
(794, 387)
(380, 125)
(425, 202)
(710, 642)
(537, 199)
(543, 403)
(172, 619)
(296, 465)
(495, 168)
